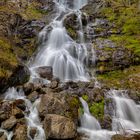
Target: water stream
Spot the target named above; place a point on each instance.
(125, 118)
(127, 113)
(67, 57)
(32, 117)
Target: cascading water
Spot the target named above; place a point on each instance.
(32, 118)
(127, 113)
(61, 52)
(87, 120)
(91, 127)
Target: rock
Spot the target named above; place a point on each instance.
(110, 57)
(59, 127)
(20, 132)
(28, 88)
(122, 58)
(3, 137)
(33, 132)
(9, 123)
(1, 133)
(45, 72)
(60, 104)
(54, 83)
(17, 112)
(107, 122)
(135, 136)
(5, 110)
(20, 76)
(33, 96)
(20, 104)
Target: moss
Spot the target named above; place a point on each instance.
(32, 13)
(97, 109)
(8, 59)
(85, 97)
(120, 78)
(125, 17)
(72, 32)
(130, 42)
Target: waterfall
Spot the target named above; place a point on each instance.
(91, 127)
(32, 118)
(67, 57)
(87, 120)
(127, 114)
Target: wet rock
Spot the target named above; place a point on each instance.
(17, 112)
(28, 88)
(45, 72)
(107, 122)
(9, 123)
(1, 133)
(54, 83)
(20, 132)
(33, 132)
(33, 96)
(20, 104)
(135, 136)
(5, 110)
(59, 127)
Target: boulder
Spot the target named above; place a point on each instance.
(17, 112)
(20, 104)
(45, 72)
(33, 131)
(9, 123)
(59, 127)
(60, 104)
(20, 132)
(5, 111)
(28, 88)
(33, 96)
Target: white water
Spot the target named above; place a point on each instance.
(126, 118)
(9, 135)
(127, 113)
(32, 118)
(91, 127)
(87, 120)
(60, 51)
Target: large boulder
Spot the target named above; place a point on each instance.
(59, 127)
(9, 123)
(45, 72)
(20, 132)
(60, 104)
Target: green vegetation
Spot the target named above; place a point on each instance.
(124, 79)
(32, 12)
(125, 15)
(97, 109)
(7, 58)
(72, 32)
